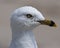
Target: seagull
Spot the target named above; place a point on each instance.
(23, 20)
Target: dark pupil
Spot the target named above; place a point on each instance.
(29, 15)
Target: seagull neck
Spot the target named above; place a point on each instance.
(22, 38)
(20, 33)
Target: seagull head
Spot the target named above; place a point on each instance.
(29, 17)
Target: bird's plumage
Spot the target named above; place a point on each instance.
(23, 20)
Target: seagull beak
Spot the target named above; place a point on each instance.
(48, 22)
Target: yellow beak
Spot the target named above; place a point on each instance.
(48, 22)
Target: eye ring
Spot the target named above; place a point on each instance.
(29, 16)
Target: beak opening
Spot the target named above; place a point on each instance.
(48, 22)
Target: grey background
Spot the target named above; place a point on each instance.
(47, 37)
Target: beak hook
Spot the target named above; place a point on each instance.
(48, 22)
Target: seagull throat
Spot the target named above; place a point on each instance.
(23, 39)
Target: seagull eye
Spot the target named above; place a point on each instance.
(29, 16)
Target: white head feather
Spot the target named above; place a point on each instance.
(19, 17)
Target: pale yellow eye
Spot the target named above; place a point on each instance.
(29, 16)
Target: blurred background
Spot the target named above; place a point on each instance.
(47, 37)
